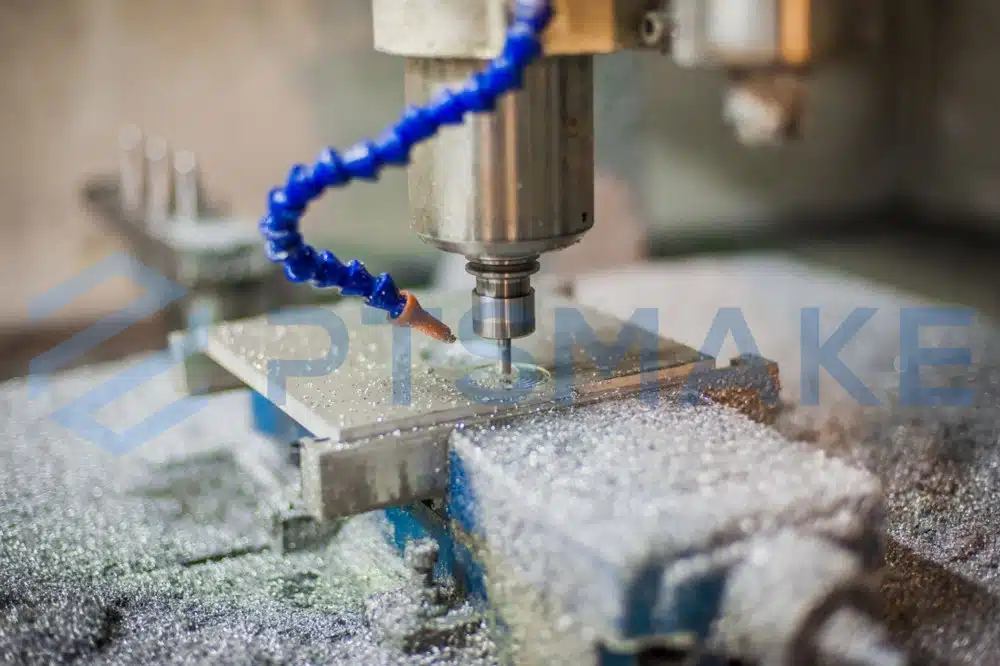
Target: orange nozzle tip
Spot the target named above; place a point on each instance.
(414, 316)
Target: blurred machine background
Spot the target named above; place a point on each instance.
(897, 143)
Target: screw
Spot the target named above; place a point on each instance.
(656, 30)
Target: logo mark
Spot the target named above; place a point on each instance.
(79, 415)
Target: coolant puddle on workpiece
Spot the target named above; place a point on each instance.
(470, 368)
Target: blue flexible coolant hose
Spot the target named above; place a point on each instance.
(287, 204)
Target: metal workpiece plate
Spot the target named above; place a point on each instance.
(346, 478)
(367, 378)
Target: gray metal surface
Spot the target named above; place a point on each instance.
(187, 186)
(381, 417)
(345, 479)
(358, 398)
(504, 318)
(215, 251)
(439, 28)
(159, 183)
(510, 184)
(132, 170)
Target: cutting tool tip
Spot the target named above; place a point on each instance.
(506, 367)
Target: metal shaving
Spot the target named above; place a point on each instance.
(162, 555)
(940, 465)
(575, 500)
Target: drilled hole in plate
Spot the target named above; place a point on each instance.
(524, 377)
